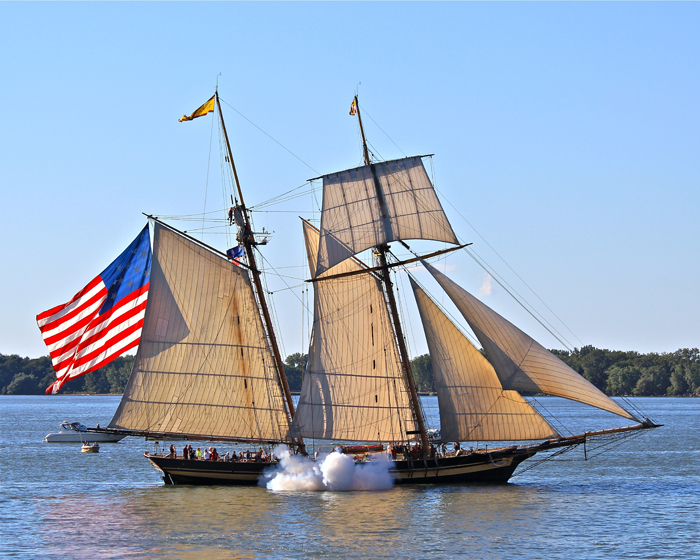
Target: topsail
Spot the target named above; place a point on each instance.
(376, 204)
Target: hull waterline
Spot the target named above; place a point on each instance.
(492, 467)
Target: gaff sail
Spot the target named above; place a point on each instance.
(204, 367)
(353, 388)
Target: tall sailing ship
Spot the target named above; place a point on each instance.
(208, 367)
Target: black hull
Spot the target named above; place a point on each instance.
(491, 467)
(496, 467)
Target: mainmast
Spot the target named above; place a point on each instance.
(248, 240)
(382, 250)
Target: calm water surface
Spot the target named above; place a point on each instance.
(639, 500)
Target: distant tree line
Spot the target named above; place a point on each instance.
(31, 376)
(631, 373)
(614, 372)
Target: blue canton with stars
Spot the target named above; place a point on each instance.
(129, 272)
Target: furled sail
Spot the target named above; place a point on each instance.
(353, 388)
(204, 367)
(356, 217)
(521, 363)
(473, 404)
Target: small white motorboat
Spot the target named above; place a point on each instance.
(88, 447)
(75, 432)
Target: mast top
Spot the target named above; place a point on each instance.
(356, 107)
(230, 157)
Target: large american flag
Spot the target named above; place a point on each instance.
(103, 320)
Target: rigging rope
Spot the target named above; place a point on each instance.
(508, 265)
(551, 418)
(534, 464)
(403, 317)
(289, 288)
(364, 110)
(283, 280)
(284, 196)
(635, 408)
(270, 137)
(468, 335)
(608, 442)
(521, 303)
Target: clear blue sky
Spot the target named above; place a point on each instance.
(567, 134)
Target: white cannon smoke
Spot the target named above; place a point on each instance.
(334, 471)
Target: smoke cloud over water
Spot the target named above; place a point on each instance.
(333, 472)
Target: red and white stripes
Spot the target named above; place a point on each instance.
(81, 340)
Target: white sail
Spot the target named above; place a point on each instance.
(473, 404)
(521, 363)
(355, 217)
(353, 388)
(203, 367)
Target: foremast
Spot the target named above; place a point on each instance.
(247, 238)
(385, 274)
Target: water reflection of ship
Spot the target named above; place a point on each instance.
(208, 367)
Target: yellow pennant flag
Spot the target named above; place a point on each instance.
(353, 109)
(208, 107)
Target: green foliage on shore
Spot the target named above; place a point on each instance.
(294, 367)
(422, 370)
(31, 376)
(612, 371)
(631, 373)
